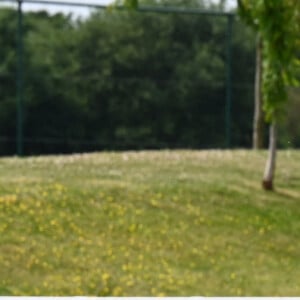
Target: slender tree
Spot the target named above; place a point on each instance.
(277, 26)
(248, 10)
(276, 23)
(258, 120)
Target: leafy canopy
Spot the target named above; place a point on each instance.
(278, 24)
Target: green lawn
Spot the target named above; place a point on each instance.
(174, 223)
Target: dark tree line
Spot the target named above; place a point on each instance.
(124, 80)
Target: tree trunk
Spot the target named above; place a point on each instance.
(271, 162)
(258, 121)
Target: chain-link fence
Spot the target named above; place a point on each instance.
(158, 77)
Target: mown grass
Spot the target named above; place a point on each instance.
(174, 223)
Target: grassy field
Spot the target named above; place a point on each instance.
(174, 223)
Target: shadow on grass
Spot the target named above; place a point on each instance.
(288, 194)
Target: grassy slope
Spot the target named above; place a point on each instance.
(177, 223)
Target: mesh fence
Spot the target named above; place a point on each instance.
(119, 80)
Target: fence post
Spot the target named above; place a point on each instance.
(230, 19)
(19, 123)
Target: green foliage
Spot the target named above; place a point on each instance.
(52, 98)
(121, 79)
(290, 129)
(279, 46)
(131, 3)
(278, 24)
